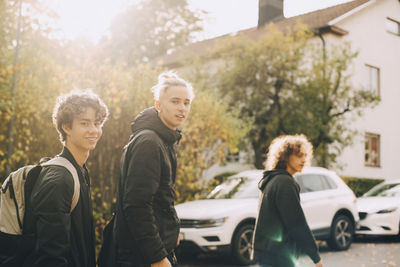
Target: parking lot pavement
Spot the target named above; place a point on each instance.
(364, 252)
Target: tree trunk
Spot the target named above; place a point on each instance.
(260, 149)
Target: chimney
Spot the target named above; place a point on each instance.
(269, 10)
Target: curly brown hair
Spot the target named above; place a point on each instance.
(284, 146)
(70, 105)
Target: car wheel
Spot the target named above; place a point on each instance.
(241, 244)
(398, 234)
(342, 232)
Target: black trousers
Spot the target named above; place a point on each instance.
(171, 257)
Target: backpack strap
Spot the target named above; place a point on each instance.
(60, 161)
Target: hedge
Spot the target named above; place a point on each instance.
(360, 185)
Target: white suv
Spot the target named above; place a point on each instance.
(224, 221)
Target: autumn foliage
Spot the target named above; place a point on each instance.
(48, 67)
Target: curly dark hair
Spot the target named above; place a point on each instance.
(285, 145)
(70, 105)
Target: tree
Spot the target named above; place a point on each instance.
(37, 83)
(284, 84)
(150, 28)
(331, 103)
(211, 130)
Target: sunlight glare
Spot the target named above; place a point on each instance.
(89, 18)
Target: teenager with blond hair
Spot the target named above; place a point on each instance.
(146, 223)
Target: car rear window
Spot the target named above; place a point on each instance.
(314, 182)
(238, 187)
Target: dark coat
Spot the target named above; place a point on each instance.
(62, 238)
(147, 226)
(281, 231)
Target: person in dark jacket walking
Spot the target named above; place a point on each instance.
(146, 223)
(65, 238)
(281, 231)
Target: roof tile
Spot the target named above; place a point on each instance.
(316, 19)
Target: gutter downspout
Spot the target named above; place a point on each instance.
(319, 33)
(324, 145)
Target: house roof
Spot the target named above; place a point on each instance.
(323, 19)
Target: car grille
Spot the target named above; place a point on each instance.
(186, 223)
(362, 215)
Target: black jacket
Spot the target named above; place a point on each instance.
(146, 224)
(62, 238)
(281, 231)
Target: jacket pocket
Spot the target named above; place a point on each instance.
(169, 227)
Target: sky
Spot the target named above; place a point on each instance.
(91, 18)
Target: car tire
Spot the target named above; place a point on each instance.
(342, 233)
(241, 244)
(398, 234)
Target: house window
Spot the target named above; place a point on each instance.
(372, 79)
(393, 26)
(372, 150)
(232, 157)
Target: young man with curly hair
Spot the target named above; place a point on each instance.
(281, 231)
(64, 237)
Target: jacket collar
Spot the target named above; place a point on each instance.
(149, 119)
(65, 153)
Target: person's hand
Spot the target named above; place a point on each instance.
(319, 264)
(163, 263)
(178, 241)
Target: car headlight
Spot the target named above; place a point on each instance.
(389, 210)
(210, 223)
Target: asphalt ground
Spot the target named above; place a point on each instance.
(364, 252)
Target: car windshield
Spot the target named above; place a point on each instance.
(236, 187)
(384, 190)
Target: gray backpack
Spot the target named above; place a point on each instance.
(17, 188)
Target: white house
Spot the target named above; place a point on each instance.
(373, 29)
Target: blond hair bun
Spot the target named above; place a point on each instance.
(167, 79)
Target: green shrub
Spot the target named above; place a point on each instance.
(102, 213)
(361, 185)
